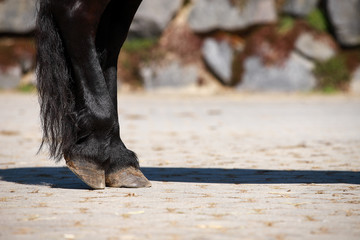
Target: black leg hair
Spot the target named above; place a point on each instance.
(54, 84)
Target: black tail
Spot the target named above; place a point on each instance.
(54, 85)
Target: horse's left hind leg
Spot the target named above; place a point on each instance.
(111, 34)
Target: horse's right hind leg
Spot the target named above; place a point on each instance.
(92, 116)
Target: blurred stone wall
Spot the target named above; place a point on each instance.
(245, 45)
(17, 51)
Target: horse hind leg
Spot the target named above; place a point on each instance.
(57, 95)
(97, 130)
(111, 34)
(92, 116)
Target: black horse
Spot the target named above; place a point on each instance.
(78, 43)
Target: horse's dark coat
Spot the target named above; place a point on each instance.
(78, 44)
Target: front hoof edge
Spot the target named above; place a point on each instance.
(88, 172)
(129, 177)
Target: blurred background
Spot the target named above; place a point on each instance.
(212, 45)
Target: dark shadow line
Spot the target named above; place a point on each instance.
(55, 177)
(62, 177)
(250, 176)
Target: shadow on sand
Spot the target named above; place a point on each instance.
(61, 177)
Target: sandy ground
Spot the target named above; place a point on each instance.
(222, 167)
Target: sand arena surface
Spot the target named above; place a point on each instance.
(222, 167)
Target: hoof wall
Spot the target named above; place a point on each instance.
(88, 172)
(128, 178)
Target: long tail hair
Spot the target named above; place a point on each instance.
(54, 84)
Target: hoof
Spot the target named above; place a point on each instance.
(128, 178)
(88, 172)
